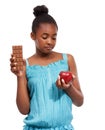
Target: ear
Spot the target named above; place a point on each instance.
(32, 35)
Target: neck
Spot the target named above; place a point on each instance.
(44, 55)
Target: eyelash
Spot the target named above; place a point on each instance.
(44, 37)
(52, 38)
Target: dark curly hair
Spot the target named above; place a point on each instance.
(41, 16)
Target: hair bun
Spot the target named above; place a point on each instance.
(40, 10)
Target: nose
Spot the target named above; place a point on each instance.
(49, 40)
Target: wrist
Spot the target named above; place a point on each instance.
(21, 76)
(69, 86)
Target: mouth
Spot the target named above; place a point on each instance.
(49, 47)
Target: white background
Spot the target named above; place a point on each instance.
(81, 32)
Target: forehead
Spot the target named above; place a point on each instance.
(47, 28)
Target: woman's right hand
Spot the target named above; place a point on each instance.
(14, 69)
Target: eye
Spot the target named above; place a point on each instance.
(54, 37)
(44, 36)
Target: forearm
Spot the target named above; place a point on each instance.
(75, 94)
(22, 99)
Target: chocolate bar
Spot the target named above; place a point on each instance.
(18, 54)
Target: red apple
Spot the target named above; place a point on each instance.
(66, 75)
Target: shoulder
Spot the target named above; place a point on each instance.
(70, 57)
(30, 60)
(31, 57)
(71, 62)
(58, 55)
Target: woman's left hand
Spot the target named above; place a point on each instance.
(60, 83)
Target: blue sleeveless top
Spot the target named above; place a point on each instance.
(50, 107)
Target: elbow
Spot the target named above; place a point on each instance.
(23, 112)
(79, 102)
(23, 109)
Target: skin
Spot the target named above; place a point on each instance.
(45, 41)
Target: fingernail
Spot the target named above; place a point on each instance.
(58, 76)
(62, 80)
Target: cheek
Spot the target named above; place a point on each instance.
(54, 43)
(39, 43)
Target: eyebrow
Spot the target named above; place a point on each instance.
(47, 34)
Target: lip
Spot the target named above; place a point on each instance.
(49, 47)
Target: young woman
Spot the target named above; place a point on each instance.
(41, 94)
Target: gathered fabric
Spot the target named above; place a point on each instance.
(50, 107)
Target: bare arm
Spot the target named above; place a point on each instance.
(73, 88)
(22, 96)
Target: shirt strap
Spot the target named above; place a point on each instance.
(27, 64)
(65, 57)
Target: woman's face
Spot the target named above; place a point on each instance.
(45, 37)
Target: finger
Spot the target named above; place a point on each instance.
(13, 69)
(73, 76)
(24, 62)
(68, 85)
(62, 81)
(14, 64)
(12, 59)
(58, 82)
(65, 85)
